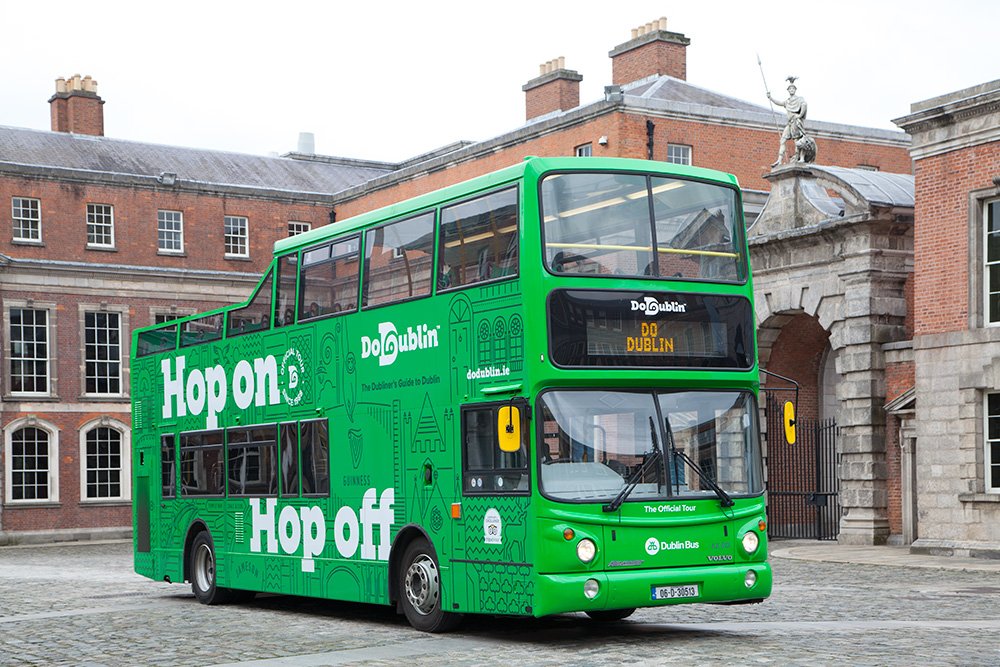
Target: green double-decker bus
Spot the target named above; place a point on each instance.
(531, 393)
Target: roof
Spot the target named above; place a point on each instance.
(670, 95)
(677, 90)
(103, 157)
(878, 188)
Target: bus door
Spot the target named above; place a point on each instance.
(492, 561)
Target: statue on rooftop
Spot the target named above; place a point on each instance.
(795, 106)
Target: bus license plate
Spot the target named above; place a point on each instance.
(674, 592)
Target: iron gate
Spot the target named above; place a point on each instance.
(802, 482)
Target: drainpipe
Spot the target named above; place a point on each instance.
(649, 139)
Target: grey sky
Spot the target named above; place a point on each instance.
(389, 80)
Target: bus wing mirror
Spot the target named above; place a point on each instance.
(509, 428)
(789, 422)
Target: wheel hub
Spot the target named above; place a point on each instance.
(423, 587)
(204, 567)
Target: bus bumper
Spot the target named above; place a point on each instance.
(562, 593)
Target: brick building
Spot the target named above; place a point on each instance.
(947, 395)
(105, 236)
(649, 111)
(109, 235)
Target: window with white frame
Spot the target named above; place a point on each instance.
(585, 150)
(992, 458)
(678, 154)
(237, 237)
(27, 216)
(295, 228)
(103, 464)
(170, 231)
(100, 225)
(102, 353)
(29, 351)
(991, 256)
(31, 457)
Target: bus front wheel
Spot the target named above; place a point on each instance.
(202, 564)
(420, 590)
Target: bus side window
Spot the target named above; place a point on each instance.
(479, 240)
(330, 279)
(202, 464)
(168, 464)
(256, 315)
(398, 261)
(284, 306)
(289, 459)
(488, 469)
(252, 461)
(315, 458)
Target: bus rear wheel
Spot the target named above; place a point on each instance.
(610, 615)
(420, 590)
(202, 568)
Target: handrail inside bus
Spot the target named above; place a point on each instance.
(674, 251)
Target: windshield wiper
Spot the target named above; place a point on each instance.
(724, 498)
(637, 474)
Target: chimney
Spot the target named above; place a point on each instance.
(554, 89)
(651, 51)
(307, 143)
(76, 107)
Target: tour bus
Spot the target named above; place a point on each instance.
(531, 393)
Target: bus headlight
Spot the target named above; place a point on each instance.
(586, 550)
(591, 588)
(750, 542)
(750, 579)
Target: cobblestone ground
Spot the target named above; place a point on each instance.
(82, 605)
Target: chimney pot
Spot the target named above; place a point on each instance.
(652, 51)
(76, 107)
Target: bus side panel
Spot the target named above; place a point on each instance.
(492, 556)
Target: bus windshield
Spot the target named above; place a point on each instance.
(609, 224)
(596, 441)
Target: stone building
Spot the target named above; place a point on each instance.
(832, 255)
(949, 390)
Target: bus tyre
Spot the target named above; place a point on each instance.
(610, 615)
(420, 590)
(202, 565)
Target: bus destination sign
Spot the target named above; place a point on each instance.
(626, 329)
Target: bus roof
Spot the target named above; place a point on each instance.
(537, 165)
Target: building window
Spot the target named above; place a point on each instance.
(27, 217)
(678, 154)
(237, 236)
(103, 464)
(170, 231)
(102, 353)
(992, 273)
(296, 228)
(992, 458)
(29, 351)
(586, 150)
(100, 225)
(31, 458)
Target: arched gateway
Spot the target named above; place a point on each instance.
(832, 253)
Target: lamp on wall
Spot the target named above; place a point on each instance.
(167, 178)
(603, 140)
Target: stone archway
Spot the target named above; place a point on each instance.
(834, 246)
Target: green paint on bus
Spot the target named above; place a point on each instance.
(531, 393)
